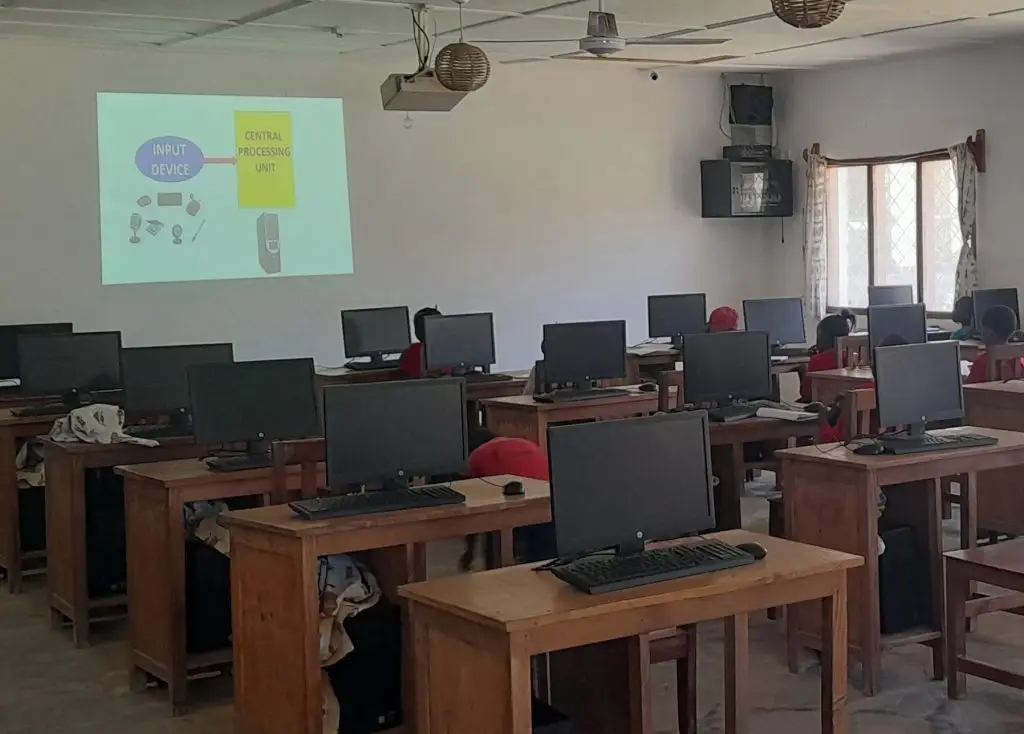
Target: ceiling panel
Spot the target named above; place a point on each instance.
(212, 9)
(70, 33)
(115, 21)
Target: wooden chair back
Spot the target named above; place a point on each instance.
(860, 417)
(667, 399)
(307, 453)
(1004, 361)
(854, 351)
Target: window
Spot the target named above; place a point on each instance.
(892, 224)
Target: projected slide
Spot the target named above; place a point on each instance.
(196, 187)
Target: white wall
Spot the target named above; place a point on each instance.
(915, 104)
(558, 192)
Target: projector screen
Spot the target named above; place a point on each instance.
(197, 187)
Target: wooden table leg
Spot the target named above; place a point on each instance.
(969, 528)
(933, 517)
(737, 660)
(729, 468)
(833, 660)
(957, 593)
(541, 431)
(686, 684)
(10, 536)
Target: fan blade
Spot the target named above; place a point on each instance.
(532, 60)
(676, 41)
(527, 40)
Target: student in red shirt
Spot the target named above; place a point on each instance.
(826, 352)
(411, 364)
(998, 324)
(498, 455)
(723, 318)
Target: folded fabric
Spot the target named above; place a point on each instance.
(97, 423)
(347, 587)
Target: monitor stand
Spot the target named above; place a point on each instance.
(375, 362)
(256, 456)
(631, 547)
(914, 432)
(677, 342)
(69, 400)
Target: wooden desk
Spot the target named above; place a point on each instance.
(473, 635)
(274, 591)
(1000, 491)
(521, 417)
(827, 385)
(16, 562)
(830, 500)
(155, 495)
(67, 557)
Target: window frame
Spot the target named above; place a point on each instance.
(869, 164)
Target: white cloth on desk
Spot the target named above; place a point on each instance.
(97, 423)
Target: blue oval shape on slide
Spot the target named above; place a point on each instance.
(169, 159)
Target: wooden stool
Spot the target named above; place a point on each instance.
(999, 565)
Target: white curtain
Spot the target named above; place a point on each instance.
(815, 211)
(965, 168)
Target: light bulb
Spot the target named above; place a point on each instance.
(408, 121)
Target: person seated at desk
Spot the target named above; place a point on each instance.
(723, 318)
(998, 325)
(963, 314)
(411, 364)
(826, 348)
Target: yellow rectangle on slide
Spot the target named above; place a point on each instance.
(266, 168)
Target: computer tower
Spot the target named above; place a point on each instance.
(904, 586)
(32, 518)
(105, 544)
(207, 598)
(268, 239)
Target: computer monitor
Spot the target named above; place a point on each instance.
(616, 484)
(726, 367)
(781, 318)
(460, 342)
(9, 334)
(986, 298)
(374, 332)
(255, 402)
(908, 321)
(890, 295)
(676, 316)
(390, 432)
(918, 383)
(584, 351)
(156, 378)
(69, 365)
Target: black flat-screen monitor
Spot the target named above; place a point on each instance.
(781, 318)
(584, 351)
(676, 315)
(458, 342)
(373, 332)
(617, 484)
(256, 402)
(890, 295)
(984, 299)
(9, 333)
(727, 366)
(907, 321)
(69, 364)
(156, 378)
(918, 383)
(390, 432)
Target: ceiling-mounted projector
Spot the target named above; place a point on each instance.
(420, 92)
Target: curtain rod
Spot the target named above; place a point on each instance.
(975, 142)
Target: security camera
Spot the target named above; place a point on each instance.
(655, 76)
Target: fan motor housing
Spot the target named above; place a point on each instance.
(602, 45)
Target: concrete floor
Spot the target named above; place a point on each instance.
(49, 687)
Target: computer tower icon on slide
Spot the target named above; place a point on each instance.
(268, 241)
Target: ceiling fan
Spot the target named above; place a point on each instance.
(603, 37)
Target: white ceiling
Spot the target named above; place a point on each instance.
(382, 28)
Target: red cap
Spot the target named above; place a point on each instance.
(724, 318)
(515, 456)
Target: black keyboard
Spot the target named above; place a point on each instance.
(369, 503)
(157, 431)
(239, 463)
(600, 574)
(487, 377)
(730, 413)
(791, 350)
(30, 411)
(576, 396)
(387, 364)
(935, 442)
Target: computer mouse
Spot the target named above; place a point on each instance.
(870, 449)
(648, 387)
(755, 549)
(815, 408)
(513, 489)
